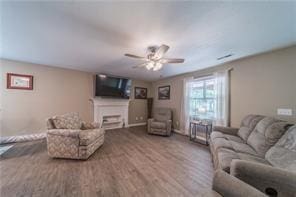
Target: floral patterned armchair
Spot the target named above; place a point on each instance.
(69, 137)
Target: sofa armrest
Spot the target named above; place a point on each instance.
(74, 133)
(227, 185)
(149, 124)
(268, 179)
(226, 130)
(90, 125)
(169, 127)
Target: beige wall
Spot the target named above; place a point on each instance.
(259, 84)
(56, 91)
(138, 107)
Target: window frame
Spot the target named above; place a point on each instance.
(204, 96)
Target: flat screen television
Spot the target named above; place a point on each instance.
(113, 87)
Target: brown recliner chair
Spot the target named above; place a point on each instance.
(161, 123)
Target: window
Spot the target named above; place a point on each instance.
(206, 98)
(202, 100)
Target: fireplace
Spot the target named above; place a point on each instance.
(111, 113)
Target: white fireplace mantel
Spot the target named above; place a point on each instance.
(114, 109)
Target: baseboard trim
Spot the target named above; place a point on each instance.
(138, 124)
(22, 138)
(179, 132)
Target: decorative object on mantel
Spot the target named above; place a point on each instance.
(149, 107)
(18, 81)
(164, 92)
(140, 93)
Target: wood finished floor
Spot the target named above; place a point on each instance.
(130, 163)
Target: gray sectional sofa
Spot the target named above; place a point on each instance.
(250, 142)
(261, 153)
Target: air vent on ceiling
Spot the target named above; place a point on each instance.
(223, 57)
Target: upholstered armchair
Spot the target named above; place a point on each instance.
(161, 123)
(69, 137)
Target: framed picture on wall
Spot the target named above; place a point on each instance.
(164, 92)
(18, 81)
(140, 93)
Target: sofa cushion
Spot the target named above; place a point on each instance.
(253, 158)
(283, 153)
(267, 132)
(159, 132)
(221, 143)
(233, 138)
(50, 124)
(158, 125)
(217, 134)
(242, 147)
(89, 136)
(90, 125)
(162, 114)
(67, 121)
(73, 133)
(225, 156)
(247, 125)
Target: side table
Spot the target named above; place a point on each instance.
(202, 127)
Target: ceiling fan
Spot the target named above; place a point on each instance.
(154, 59)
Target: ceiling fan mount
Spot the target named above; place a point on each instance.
(152, 49)
(155, 59)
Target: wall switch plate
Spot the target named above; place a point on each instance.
(136, 118)
(284, 112)
(141, 118)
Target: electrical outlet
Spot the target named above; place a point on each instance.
(284, 112)
(141, 118)
(136, 118)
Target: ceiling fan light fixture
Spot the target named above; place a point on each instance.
(155, 58)
(150, 65)
(157, 66)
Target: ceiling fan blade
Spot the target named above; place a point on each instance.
(135, 56)
(160, 52)
(141, 65)
(171, 60)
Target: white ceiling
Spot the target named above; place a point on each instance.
(93, 36)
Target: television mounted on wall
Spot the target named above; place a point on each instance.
(112, 87)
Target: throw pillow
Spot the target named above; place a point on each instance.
(67, 121)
